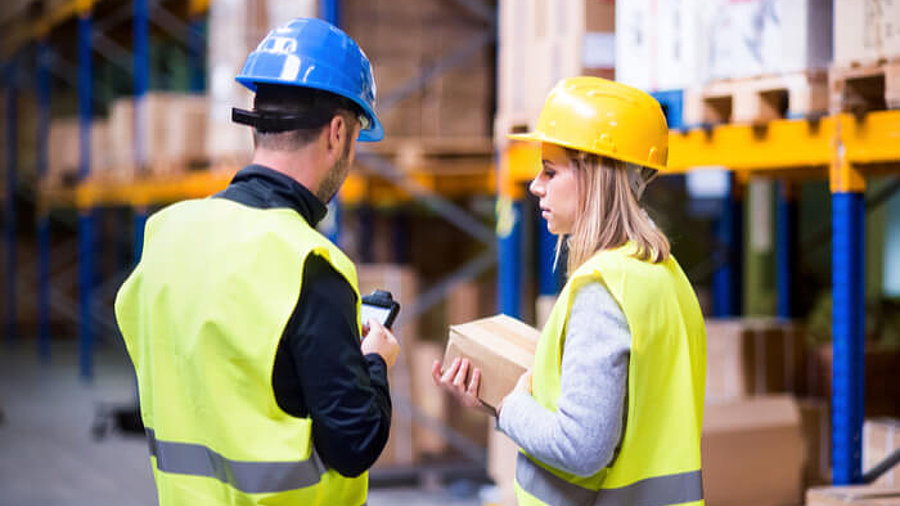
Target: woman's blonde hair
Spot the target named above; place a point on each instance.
(608, 213)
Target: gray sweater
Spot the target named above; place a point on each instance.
(583, 435)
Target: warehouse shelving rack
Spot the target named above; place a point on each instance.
(86, 197)
(845, 148)
(382, 181)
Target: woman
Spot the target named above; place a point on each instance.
(611, 412)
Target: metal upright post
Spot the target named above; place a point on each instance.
(43, 217)
(786, 250)
(86, 216)
(729, 231)
(141, 84)
(330, 10)
(848, 319)
(11, 183)
(197, 45)
(548, 273)
(509, 239)
(509, 255)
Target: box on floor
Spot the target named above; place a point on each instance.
(752, 452)
(881, 437)
(853, 496)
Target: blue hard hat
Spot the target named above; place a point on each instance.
(312, 53)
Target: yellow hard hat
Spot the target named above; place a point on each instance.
(606, 118)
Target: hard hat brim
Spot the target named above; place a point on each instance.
(537, 137)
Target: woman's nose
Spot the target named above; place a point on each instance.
(536, 188)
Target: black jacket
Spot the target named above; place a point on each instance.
(319, 369)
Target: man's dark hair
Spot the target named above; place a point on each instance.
(318, 107)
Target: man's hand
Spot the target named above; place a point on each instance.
(380, 340)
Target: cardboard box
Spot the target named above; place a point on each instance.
(816, 423)
(427, 399)
(866, 31)
(882, 393)
(502, 347)
(542, 42)
(658, 44)
(402, 283)
(753, 356)
(880, 438)
(752, 452)
(856, 496)
(760, 37)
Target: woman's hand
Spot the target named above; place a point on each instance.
(454, 381)
(524, 383)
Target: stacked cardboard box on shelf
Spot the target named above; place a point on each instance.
(63, 157)
(407, 39)
(867, 31)
(748, 357)
(659, 44)
(865, 74)
(235, 29)
(762, 37)
(172, 133)
(542, 42)
(403, 285)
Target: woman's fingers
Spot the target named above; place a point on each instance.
(473, 383)
(436, 371)
(460, 380)
(450, 373)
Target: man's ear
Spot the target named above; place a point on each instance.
(337, 130)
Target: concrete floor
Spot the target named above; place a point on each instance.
(47, 453)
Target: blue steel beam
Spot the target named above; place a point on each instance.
(140, 222)
(198, 53)
(786, 250)
(509, 256)
(330, 10)
(86, 217)
(43, 219)
(11, 183)
(847, 401)
(548, 277)
(727, 278)
(141, 77)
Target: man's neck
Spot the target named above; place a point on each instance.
(298, 165)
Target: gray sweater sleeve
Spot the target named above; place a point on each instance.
(582, 436)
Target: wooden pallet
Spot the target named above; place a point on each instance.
(758, 99)
(859, 88)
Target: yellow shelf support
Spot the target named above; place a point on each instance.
(842, 147)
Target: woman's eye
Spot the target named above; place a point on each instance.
(549, 173)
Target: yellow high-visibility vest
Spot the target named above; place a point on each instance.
(659, 459)
(202, 315)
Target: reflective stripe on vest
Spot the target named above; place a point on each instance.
(656, 491)
(246, 476)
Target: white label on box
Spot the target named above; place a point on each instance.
(598, 50)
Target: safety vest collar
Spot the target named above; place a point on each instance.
(656, 491)
(251, 477)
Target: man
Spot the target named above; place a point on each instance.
(243, 322)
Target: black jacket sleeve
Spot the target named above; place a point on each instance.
(320, 371)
